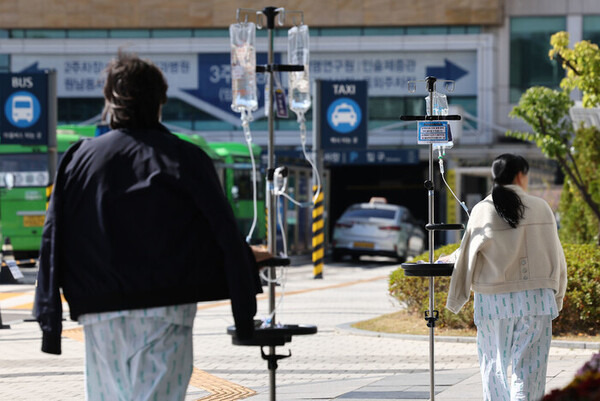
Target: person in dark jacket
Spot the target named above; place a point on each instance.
(137, 231)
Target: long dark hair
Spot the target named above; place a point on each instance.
(134, 91)
(506, 201)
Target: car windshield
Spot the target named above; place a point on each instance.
(378, 213)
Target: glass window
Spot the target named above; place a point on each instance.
(340, 32)
(242, 178)
(374, 213)
(172, 33)
(45, 33)
(4, 63)
(211, 33)
(75, 110)
(426, 30)
(529, 61)
(591, 28)
(129, 33)
(87, 33)
(383, 31)
(4, 33)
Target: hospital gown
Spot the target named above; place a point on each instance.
(514, 328)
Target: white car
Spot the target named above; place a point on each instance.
(22, 108)
(343, 113)
(377, 228)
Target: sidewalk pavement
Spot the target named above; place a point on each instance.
(337, 363)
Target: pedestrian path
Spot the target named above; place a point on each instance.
(338, 363)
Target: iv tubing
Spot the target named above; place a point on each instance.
(461, 203)
(302, 122)
(246, 118)
(282, 279)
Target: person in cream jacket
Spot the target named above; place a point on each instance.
(512, 259)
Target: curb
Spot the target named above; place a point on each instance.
(348, 329)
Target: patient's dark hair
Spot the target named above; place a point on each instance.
(134, 91)
(506, 201)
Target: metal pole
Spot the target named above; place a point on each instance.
(431, 89)
(272, 238)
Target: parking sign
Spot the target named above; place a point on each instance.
(28, 108)
(342, 114)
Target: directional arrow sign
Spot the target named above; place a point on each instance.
(449, 71)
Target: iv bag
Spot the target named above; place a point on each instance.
(440, 108)
(299, 84)
(243, 67)
(440, 104)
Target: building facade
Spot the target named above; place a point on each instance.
(493, 49)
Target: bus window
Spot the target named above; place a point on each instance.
(29, 170)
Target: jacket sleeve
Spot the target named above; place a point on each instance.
(562, 278)
(460, 282)
(47, 304)
(240, 267)
(462, 276)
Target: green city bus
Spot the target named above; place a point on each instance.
(237, 184)
(22, 208)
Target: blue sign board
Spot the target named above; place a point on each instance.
(342, 114)
(214, 79)
(362, 157)
(24, 113)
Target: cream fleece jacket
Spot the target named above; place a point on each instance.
(496, 258)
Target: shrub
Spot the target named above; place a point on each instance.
(581, 305)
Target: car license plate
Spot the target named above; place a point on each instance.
(33, 221)
(369, 245)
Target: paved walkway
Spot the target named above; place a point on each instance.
(338, 363)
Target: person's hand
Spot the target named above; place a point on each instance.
(260, 253)
(445, 259)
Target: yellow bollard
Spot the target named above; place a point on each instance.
(318, 237)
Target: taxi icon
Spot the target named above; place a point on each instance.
(344, 114)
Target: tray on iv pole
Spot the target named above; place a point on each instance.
(272, 335)
(432, 269)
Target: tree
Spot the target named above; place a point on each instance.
(546, 111)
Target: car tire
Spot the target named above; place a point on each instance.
(336, 256)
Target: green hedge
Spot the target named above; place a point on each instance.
(581, 306)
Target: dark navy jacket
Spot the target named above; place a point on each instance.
(138, 219)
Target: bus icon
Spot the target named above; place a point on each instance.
(22, 108)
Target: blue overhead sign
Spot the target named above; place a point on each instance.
(214, 79)
(361, 157)
(449, 71)
(26, 104)
(342, 114)
(372, 157)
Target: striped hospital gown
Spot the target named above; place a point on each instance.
(141, 354)
(514, 329)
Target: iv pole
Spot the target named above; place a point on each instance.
(272, 335)
(431, 269)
